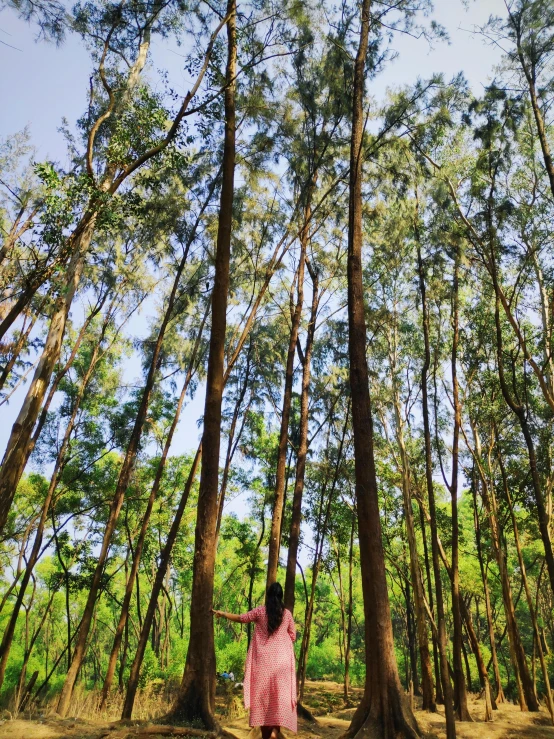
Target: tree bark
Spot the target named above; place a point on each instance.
(383, 711)
(460, 693)
(196, 698)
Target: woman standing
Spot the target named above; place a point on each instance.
(270, 674)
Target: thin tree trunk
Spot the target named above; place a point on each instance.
(296, 516)
(16, 350)
(278, 505)
(460, 694)
(441, 626)
(320, 540)
(383, 711)
(500, 698)
(350, 607)
(232, 446)
(530, 605)
(119, 496)
(134, 674)
(526, 694)
(428, 702)
(519, 411)
(438, 685)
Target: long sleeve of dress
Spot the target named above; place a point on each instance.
(253, 615)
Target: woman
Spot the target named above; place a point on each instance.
(270, 675)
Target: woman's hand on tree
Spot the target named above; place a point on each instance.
(217, 614)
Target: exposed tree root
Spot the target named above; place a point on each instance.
(305, 713)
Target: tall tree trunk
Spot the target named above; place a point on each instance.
(490, 703)
(460, 694)
(428, 702)
(520, 413)
(412, 675)
(441, 625)
(197, 693)
(296, 516)
(383, 711)
(279, 500)
(137, 554)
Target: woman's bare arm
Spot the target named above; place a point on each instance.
(228, 616)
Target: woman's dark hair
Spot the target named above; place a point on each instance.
(274, 607)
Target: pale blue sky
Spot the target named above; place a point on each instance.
(41, 83)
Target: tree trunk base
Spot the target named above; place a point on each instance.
(194, 704)
(384, 717)
(305, 713)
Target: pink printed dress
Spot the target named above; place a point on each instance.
(270, 674)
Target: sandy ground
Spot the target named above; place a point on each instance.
(323, 698)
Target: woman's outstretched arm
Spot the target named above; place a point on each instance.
(228, 616)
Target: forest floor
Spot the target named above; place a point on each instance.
(324, 699)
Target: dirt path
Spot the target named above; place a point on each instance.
(323, 698)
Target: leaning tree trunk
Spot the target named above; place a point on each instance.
(296, 516)
(15, 456)
(526, 693)
(9, 631)
(530, 604)
(383, 712)
(196, 698)
(118, 498)
(137, 554)
(438, 685)
(441, 625)
(165, 556)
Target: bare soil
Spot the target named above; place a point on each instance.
(323, 699)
